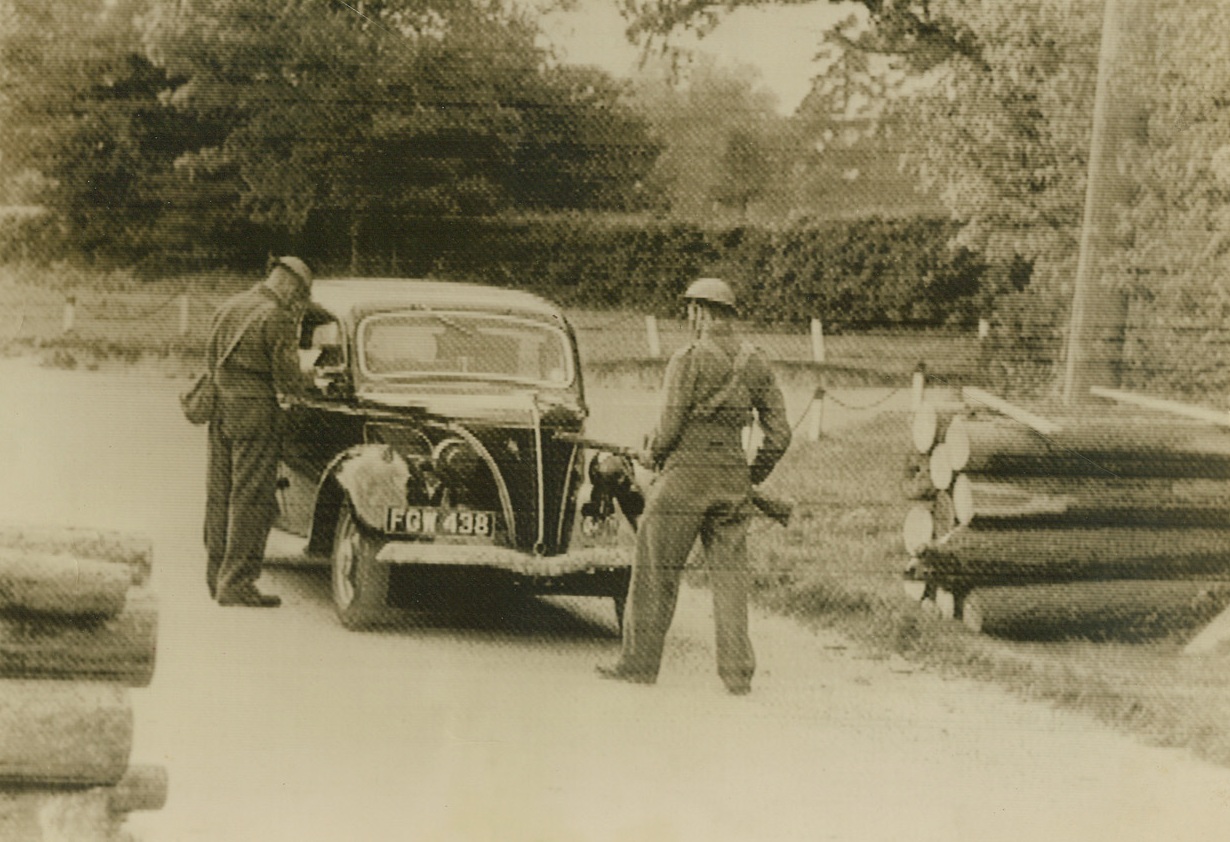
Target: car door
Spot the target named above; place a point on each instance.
(316, 426)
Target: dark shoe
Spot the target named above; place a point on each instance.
(618, 673)
(249, 597)
(738, 689)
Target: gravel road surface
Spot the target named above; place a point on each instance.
(279, 725)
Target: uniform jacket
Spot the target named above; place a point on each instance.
(690, 431)
(262, 366)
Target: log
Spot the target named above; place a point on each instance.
(944, 514)
(949, 604)
(929, 423)
(988, 557)
(136, 551)
(919, 528)
(979, 397)
(915, 589)
(1051, 502)
(143, 787)
(1110, 609)
(64, 733)
(1218, 417)
(121, 649)
(1096, 447)
(57, 815)
(940, 467)
(61, 584)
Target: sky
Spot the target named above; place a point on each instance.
(779, 41)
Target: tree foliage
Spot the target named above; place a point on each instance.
(193, 121)
(1000, 106)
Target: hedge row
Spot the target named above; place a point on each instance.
(851, 273)
(862, 273)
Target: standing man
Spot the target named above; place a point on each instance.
(711, 388)
(259, 326)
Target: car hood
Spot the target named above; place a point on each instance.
(514, 407)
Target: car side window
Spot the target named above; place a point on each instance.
(328, 338)
(322, 356)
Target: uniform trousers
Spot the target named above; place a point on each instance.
(240, 505)
(686, 502)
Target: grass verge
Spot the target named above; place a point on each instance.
(838, 566)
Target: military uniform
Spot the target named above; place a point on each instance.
(243, 437)
(702, 490)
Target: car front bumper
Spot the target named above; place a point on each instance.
(502, 558)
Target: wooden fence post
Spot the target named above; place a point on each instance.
(651, 335)
(815, 425)
(817, 341)
(918, 385)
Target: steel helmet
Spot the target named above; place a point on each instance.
(296, 267)
(713, 291)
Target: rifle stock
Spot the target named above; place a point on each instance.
(774, 508)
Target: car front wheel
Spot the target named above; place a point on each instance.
(360, 583)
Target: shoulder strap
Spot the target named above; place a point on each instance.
(239, 334)
(711, 404)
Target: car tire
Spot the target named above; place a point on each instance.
(360, 584)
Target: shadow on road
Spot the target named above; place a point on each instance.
(472, 603)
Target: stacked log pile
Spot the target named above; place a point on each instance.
(1057, 505)
(78, 629)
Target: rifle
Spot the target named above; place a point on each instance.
(774, 508)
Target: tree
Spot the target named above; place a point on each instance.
(1001, 104)
(723, 143)
(191, 121)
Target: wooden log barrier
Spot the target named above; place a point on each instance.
(61, 584)
(1040, 502)
(135, 551)
(57, 815)
(1098, 447)
(1007, 557)
(1123, 609)
(120, 649)
(64, 733)
(143, 787)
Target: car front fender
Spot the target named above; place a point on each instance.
(375, 478)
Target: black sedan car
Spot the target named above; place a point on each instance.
(436, 434)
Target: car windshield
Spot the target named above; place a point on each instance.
(455, 344)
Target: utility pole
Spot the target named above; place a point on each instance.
(1099, 312)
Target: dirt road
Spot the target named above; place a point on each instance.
(279, 725)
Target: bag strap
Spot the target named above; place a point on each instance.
(234, 343)
(711, 404)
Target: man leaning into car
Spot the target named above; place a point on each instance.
(259, 326)
(711, 387)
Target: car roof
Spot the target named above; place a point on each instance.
(351, 296)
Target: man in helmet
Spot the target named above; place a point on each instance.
(711, 388)
(257, 327)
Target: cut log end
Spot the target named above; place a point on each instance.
(143, 787)
(924, 428)
(919, 528)
(962, 500)
(940, 468)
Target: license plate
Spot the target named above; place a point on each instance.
(431, 521)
